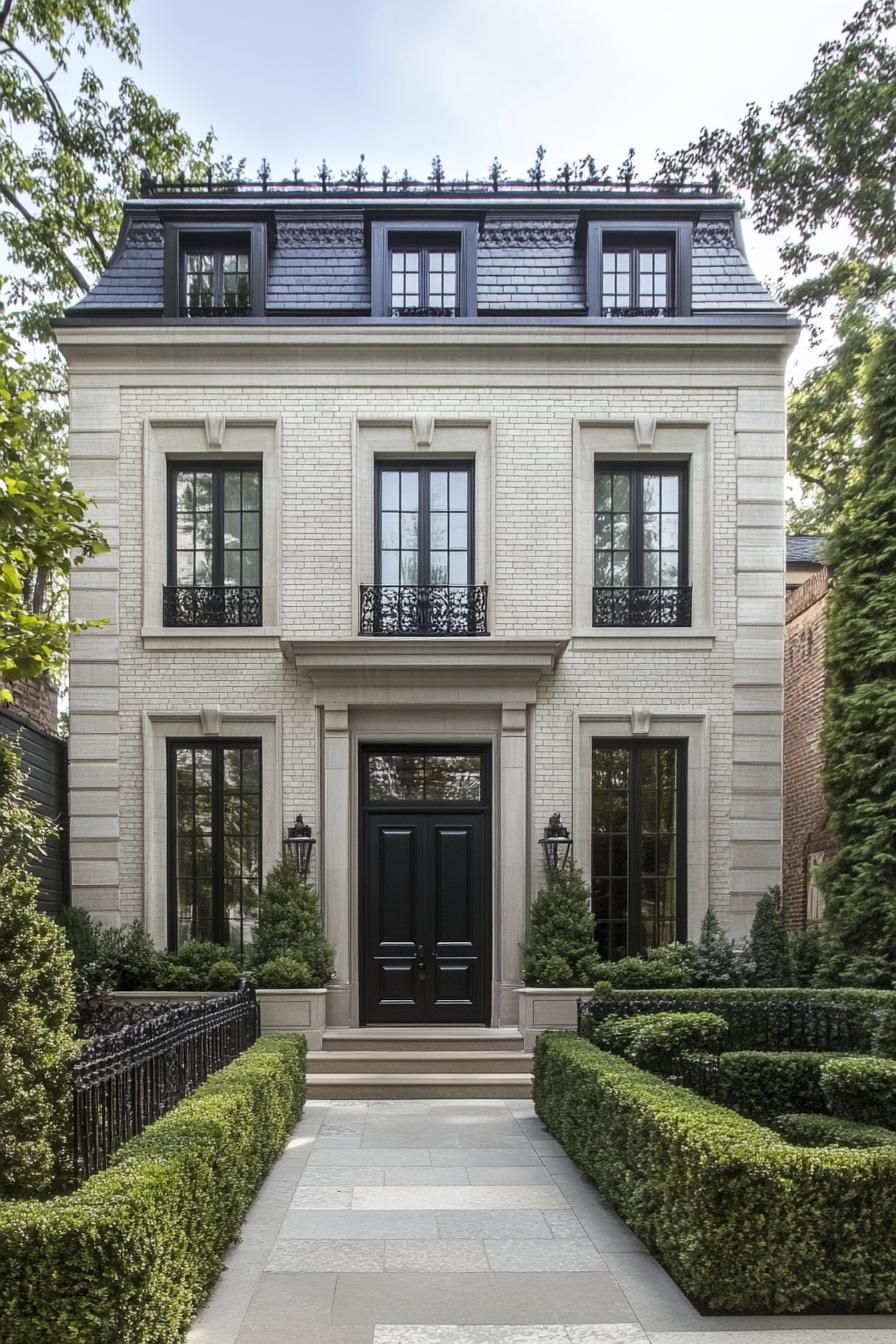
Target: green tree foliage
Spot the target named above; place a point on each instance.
(560, 948)
(859, 926)
(290, 926)
(768, 945)
(717, 962)
(818, 169)
(37, 1038)
(44, 533)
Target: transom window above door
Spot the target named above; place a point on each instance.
(424, 553)
(424, 281)
(424, 776)
(214, 545)
(640, 545)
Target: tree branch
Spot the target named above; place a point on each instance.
(811, 480)
(74, 271)
(4, 15)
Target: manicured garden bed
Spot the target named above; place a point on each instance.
(130, 1256)
(741, 1219)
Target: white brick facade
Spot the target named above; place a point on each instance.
(524, 395)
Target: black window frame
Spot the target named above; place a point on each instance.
(424, 471)
(216, 237)
(634, 942)
(217, 470)
(217, 746)
(673, 236)
(636, 471)
(387, 236)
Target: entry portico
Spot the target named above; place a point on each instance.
(424, 693)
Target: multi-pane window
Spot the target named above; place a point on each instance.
(423, 281)
(214, 841)
(636, 280)
(637, 845)
(424, 517)
(214, 546)
(640, 544)
(216, 282)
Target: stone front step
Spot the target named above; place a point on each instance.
(378, 1086)
(416, 1039)
(367, 1062)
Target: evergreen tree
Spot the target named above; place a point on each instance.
(37, 1035)
(717, 961)
(290, 925)
(560, 948)
(768, 946)
(859, 742)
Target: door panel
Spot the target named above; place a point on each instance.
(426, 916)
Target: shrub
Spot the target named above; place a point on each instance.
(223, 975)
(560, 947)
(666, 967)
(658, 1042)
(717, 961)
(286, 973)
(767, 1019)
(821, 1131)
(290, 925)
(37, 1002)
(805, 951)
(761, 1083)
(883, 1041)
(859, 772)
(82, 933)
(130, 959)
(861, 1088)
(742, 1220)
(129, 1257)
(768, 946)
(190, 966)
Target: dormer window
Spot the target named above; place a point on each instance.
(216, 282)
(215, 270)
(424, 281)
(638, 270)
(423, 269)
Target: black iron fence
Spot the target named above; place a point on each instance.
(429, 609)
(641, 606)
(124, 1081)
(754, 1023)
(220, 604)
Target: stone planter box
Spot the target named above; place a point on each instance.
(549, 1010)
(281, 1009)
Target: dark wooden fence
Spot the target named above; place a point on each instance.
(124, 1081)
(45, 762)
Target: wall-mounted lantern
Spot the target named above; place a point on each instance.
(299, 844)
(556, 845)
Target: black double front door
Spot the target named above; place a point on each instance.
(425, 909)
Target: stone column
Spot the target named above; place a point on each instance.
(512, 875)
(336, 858)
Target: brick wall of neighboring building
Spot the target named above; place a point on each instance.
(805, 810)
(36, 703)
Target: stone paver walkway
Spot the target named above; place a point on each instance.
(456, 1222)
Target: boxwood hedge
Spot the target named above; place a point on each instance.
(768, 1019)
(129, 1257)
(817, 1131)
(657, 1041)
(742, 1220)
(861, 1088)
(761, 1083)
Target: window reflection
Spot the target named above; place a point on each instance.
(420, 776)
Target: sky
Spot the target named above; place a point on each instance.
(399, 81)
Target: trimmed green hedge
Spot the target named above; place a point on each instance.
(861, 1088)
(760, 1083)
(130, 1256)
(769, 1019)
(658, 1041)
(818, 1131)
(742, 1220)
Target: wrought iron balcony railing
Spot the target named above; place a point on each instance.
(424, 312)
(642, 606)
(224, 605)
(638, 312)
(438, 609)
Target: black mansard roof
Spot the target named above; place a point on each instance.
(531, 245)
